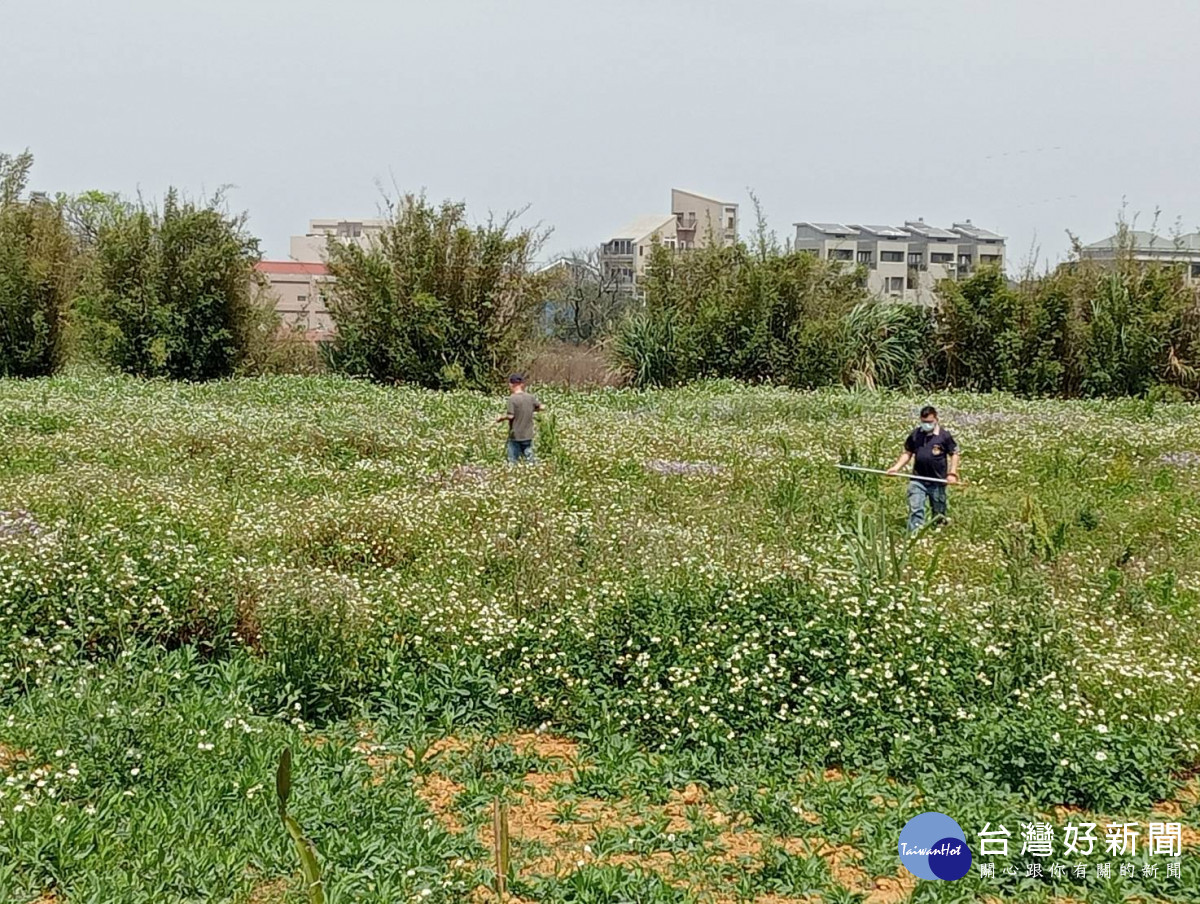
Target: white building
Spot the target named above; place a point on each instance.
(312, 247)
(695, 221)
(905, 262)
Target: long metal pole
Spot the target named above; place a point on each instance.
(886, 474)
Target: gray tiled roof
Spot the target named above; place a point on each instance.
(894, 232)
(925, 231)
(831, 228)
(972, 231)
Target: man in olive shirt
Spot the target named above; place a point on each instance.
(519, 414)
(934, 453)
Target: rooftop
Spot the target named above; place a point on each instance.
(831, 228)
(696, 194)
(372, 223)
(886, 232)
(642, 226)
(1147, 242)
(971, 231)
(286, 268)
(925, 231)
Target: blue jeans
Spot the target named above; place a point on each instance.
(518, 449)
(918, 492)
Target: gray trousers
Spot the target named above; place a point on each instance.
(918, 492)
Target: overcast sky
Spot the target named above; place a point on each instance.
(1031, 117)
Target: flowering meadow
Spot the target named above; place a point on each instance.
(701, 662)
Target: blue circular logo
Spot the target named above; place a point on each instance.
(933, 846)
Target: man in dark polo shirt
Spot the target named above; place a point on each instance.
(934, 453)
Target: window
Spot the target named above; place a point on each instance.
(641, 250)
(841, 254)
(301, 298)
(864, 257)
(895, 283)
(912, 280)
(730, 217)
(940, 257)
(1195, 271)
(892, 257)
(993, 259)
(916, 259)
(964, 260)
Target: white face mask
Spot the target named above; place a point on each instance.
(927, 426)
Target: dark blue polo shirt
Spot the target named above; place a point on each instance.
(930, 451)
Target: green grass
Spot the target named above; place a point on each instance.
(685, 585)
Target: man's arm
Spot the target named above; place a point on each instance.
(905, 458)
(952, 470)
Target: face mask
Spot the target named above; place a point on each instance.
(927, 426)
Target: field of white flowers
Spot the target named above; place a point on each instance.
(684, 589)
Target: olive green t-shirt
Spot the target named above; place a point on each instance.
(521, 407)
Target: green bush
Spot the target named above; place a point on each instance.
(725, 312)
(171, 290)
(37, 275)
(435, 301)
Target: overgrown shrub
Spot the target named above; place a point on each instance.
(884, 343)
(1095, 329)
(435, 301)
(171, 292)
(727, 312)
(37, 269)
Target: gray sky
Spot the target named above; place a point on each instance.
(1028, 116)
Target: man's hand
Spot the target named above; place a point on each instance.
(951, 478)
(893, 471)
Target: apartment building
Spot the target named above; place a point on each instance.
(298, 285)
(624, 253)
(312, 247)
(700, 220)
(908, 261)
(977, 248)
(1149, 248)
(298, 289)
(695, 221)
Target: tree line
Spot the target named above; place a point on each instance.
(169, 289)
(1086, 329)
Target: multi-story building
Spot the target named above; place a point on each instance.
(299, 285)
(885, 252)
(700, 220)
(977, 248)
(1149, 248)
(694, 222)
(314, 245)
(298, 290)
(624, 253)
(904, 262)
